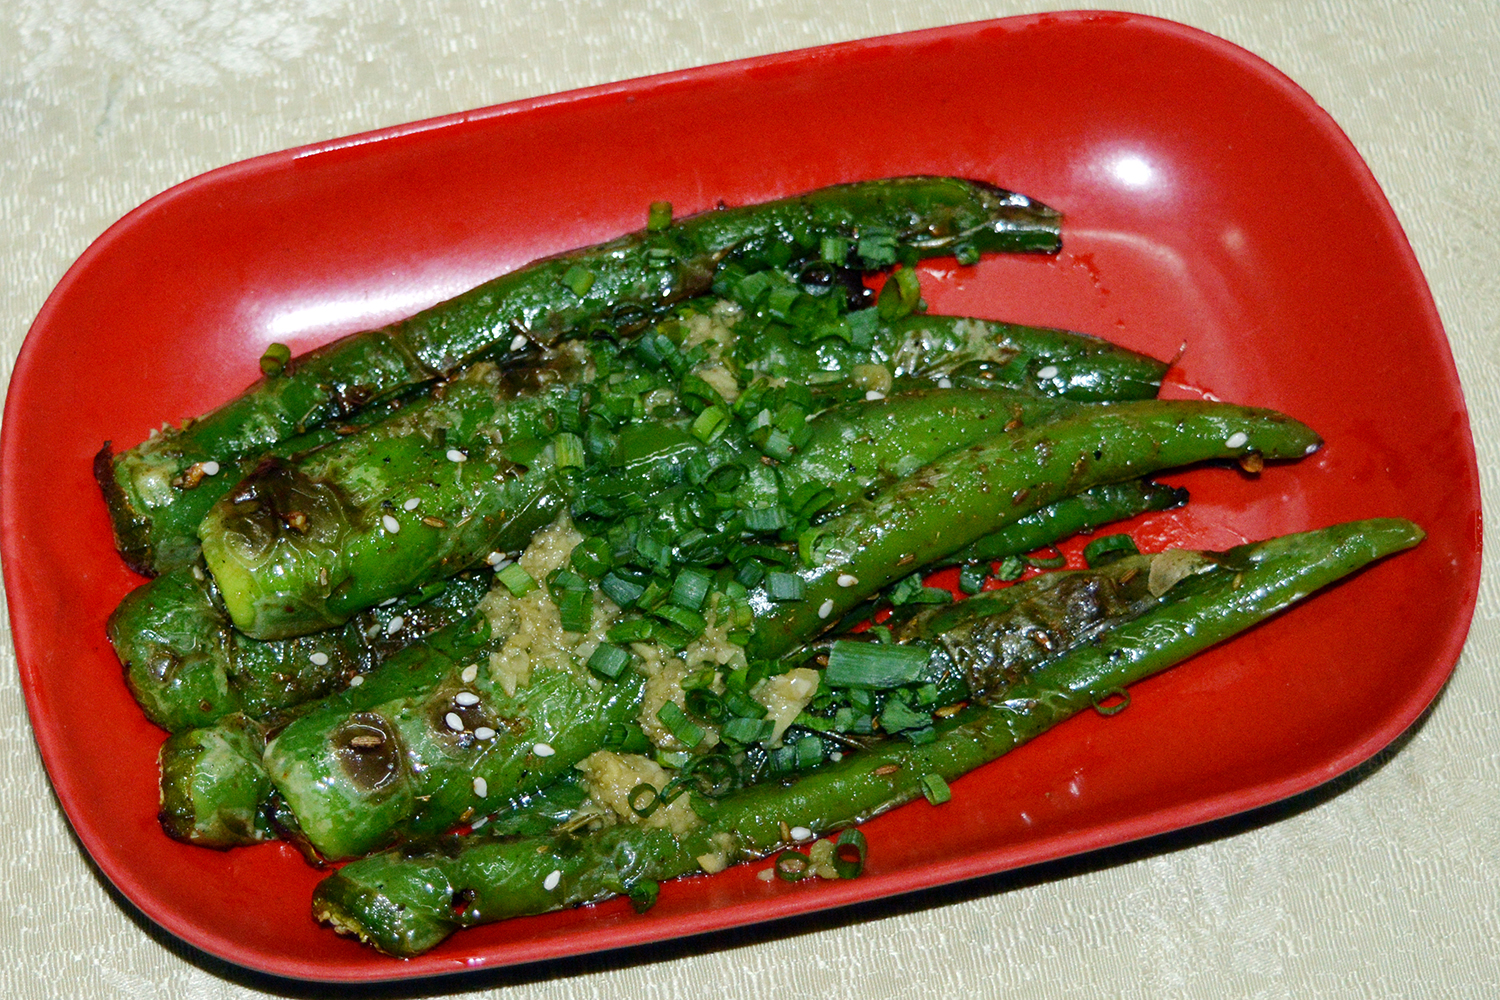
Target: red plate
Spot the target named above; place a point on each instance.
(1211, 206)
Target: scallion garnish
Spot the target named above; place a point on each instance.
(608, 660)
(791, 866)
(567, 451)
(873, 666)
(620, 590)
(711, 423)
(516, 580)
(579, 280)
(676, 722)
(971, 578)
(643, 799)
(1108, 548)
(849, 853)
(659, 216)
(690, 589)
(785, 586)
(936, 789)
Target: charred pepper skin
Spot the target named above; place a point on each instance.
(359, 773)
(296, 548)
(615, 285)
(971, 493)
(406, 902)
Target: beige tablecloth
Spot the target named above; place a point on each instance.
(1386, 884)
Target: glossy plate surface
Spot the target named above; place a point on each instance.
(1211, 207)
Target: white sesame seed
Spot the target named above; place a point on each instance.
(470, 672)
(411, 503)
(484, 733)
(394, 625)
(454, 722)
(1048, 372)
(801, 833)
(836, 756)
(481, 821)
(373, 630)
(1237, 440)
(873, 394)
(847, 579)
(389, 523)
(481, 787)
(356, 680)
(466, 698)
(550, 882)
(495, 558)
(1310, 449)
(518, 341)
(543, 750)
(945, 383)
(319, 659)
(198, 574)
(389, 601)
(826, 609)
(210, 468)
(454, 455)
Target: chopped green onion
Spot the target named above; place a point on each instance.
(592, 557)
(873, 666)
(766, 519)
(786, 586)
(620, 590)
(900, 295)
(575, 610)
(643, 799)
(849, 853)
(711, 423)
(878, 248)
(791, 866)
(1112, 702)
(897, 716)
(704, 704)
(1011, 568)
(690, 589)
(743, 730)
(609, 661)
(676, 721)
(971, 578)
(1108, 548)
(562, 580)
(630, 630)
(516, 580)
(643, 894)
(567, 451)
(579, 280)
(911, 590)
(834, 249)
(689, 621)
(659, 216)
(274, 361)
(936, 789)
(809, 752)
(1050, 562)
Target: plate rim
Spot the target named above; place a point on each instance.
(832, 895)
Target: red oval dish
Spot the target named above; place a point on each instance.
(1211, 207)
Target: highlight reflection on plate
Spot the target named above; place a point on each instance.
(1211, 208)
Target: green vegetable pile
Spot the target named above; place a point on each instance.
(612, 570)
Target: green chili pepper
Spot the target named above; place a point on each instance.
(615, 285)
(971, 493)
(403, 902)
(186, 666)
